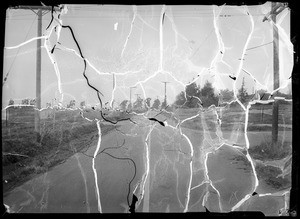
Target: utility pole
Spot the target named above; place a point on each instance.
(130, 94)
(38, 101)
(165, 82)
(112, 103)
(275, 74)
(137, 97)
(40, 14)
(276, 8)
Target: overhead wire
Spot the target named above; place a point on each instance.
(113, 15)
(182, 13)
(6, 76)
(259, 46)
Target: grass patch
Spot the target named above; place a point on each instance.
(58, 141)
(269, 175)
(260, 117)
(266, 151)
(257, 128)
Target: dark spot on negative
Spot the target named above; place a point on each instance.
(132, 206)
(232, 77)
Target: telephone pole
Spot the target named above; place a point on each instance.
(40, 14)
(38, 80)
(165, 82)
(130, 94)
(114, 82)
(276, 8)
(276, 82)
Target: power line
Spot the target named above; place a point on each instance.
(18, 51)
(115, 15)
(127, 8)
(260, 45)
(18, 15)
(165, 82)
(202, 42)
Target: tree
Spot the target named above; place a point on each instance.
(138, 104)
(123, 104)
(25, 101)
(242, 93)
(227, 95)
(180, 99)
(208, 96)
(129, 107)
(193, 102)
(207, 90)
(148, 104)
(191, 91)
(156, 104)
(71, 104)
(164, 105)
(11, 102)
(48, 105)
(82, 104)
(32, 102)
(194, 93)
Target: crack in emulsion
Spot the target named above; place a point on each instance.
(221, 50)
(94, 169)
(103, 151)
(144, 183)
(161, 45)
(85, 65)
(88, 209)
(134, 8)
(98, 126)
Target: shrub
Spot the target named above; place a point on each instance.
(269, 175)
(266, 151)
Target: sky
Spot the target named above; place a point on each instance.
(142, 47)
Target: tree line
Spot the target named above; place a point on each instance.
(193, 97)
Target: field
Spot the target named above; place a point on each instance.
(67, 132)
(260, 117)
(272, 163)
(25, 154)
